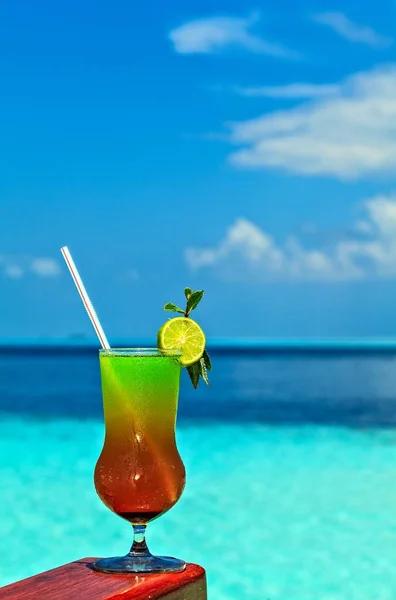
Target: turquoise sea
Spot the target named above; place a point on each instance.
(291, 465)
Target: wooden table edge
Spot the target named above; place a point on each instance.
(60, 583)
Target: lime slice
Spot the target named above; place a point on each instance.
(185, 334)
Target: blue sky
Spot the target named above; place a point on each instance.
(249, 150)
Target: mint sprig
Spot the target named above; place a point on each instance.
(203, 365)
(193, 299)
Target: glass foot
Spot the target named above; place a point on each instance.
(139, 564)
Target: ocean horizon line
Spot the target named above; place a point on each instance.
(219, 344)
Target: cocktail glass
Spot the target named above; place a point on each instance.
(139, 474)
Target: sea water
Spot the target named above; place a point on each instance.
(291, 474)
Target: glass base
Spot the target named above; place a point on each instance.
(139, 564)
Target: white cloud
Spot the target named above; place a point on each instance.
(246, 239)
(247, 251)
(205, 36)
(17, 266)
(45, 267)
(351, 31)
(291, 91)
(13, 271)
(349, 136)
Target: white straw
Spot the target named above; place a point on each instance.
(85, 298)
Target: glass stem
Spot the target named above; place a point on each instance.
(139, 546)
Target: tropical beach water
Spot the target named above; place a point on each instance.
(291, 473)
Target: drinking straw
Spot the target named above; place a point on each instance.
(85, 298)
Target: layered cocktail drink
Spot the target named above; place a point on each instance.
(139, 474)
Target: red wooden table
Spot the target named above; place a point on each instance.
(77, 581)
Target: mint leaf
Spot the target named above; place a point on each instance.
(187, 292)
(194, 300)
(173, 308)
(204, 373)
(198, 370)
(194, 371)
(207, 361)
